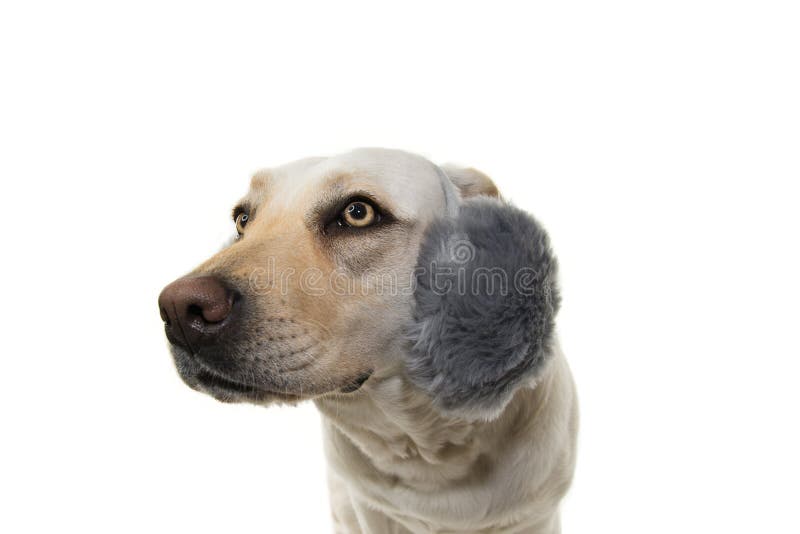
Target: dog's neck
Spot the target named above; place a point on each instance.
(392, 452)
(401, 433)
(404, 437)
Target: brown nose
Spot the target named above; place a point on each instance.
(194, 310)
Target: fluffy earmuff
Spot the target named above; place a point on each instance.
(485, 305)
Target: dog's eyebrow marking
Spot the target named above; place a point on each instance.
(338, 190)
(260, 179)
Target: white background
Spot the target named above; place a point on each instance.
(657, 141)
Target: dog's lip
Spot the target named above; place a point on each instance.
(216, 381)
(356, 384)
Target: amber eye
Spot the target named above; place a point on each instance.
(241, 222)
(359, 214)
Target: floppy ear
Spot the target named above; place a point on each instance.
(485, 306)
(470, 182)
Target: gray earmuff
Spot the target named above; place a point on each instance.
(485, 304)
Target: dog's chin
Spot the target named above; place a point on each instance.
(225, 388)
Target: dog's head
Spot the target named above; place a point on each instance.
(342, 262)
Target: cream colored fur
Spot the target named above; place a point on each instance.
(396, 465)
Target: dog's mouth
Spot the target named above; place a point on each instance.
(201, 376)
(228, 390)
(356, 384)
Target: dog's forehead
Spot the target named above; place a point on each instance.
(410, 185)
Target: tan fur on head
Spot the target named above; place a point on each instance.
(324, 308)
(288, 266)
(471, 182)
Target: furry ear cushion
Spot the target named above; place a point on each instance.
(485, 307)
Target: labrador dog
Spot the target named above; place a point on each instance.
(416, 309)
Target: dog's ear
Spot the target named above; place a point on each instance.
(484, 308)
(470, 182)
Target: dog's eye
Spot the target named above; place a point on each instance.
(359, 214)
(241, 222)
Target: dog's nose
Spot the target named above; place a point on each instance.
(194, 310)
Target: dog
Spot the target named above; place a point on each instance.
(416, 308)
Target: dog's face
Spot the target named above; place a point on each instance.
(317, 286)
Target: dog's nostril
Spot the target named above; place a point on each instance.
(194, 310)
(212, 312)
